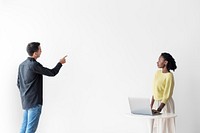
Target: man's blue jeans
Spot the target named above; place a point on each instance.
(31, 119)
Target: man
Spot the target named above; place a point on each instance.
(30, 84)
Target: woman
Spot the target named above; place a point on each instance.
(163, 87)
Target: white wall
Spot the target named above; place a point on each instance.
(112, 48)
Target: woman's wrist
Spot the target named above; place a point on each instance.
(161, 107)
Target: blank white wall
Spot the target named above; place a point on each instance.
(112, 48)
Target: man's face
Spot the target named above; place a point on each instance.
(38, 53)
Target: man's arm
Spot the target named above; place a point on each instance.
(38, 68)
(18, 80)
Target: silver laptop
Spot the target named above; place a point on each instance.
(140, 106)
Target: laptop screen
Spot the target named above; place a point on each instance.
(140, 106)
